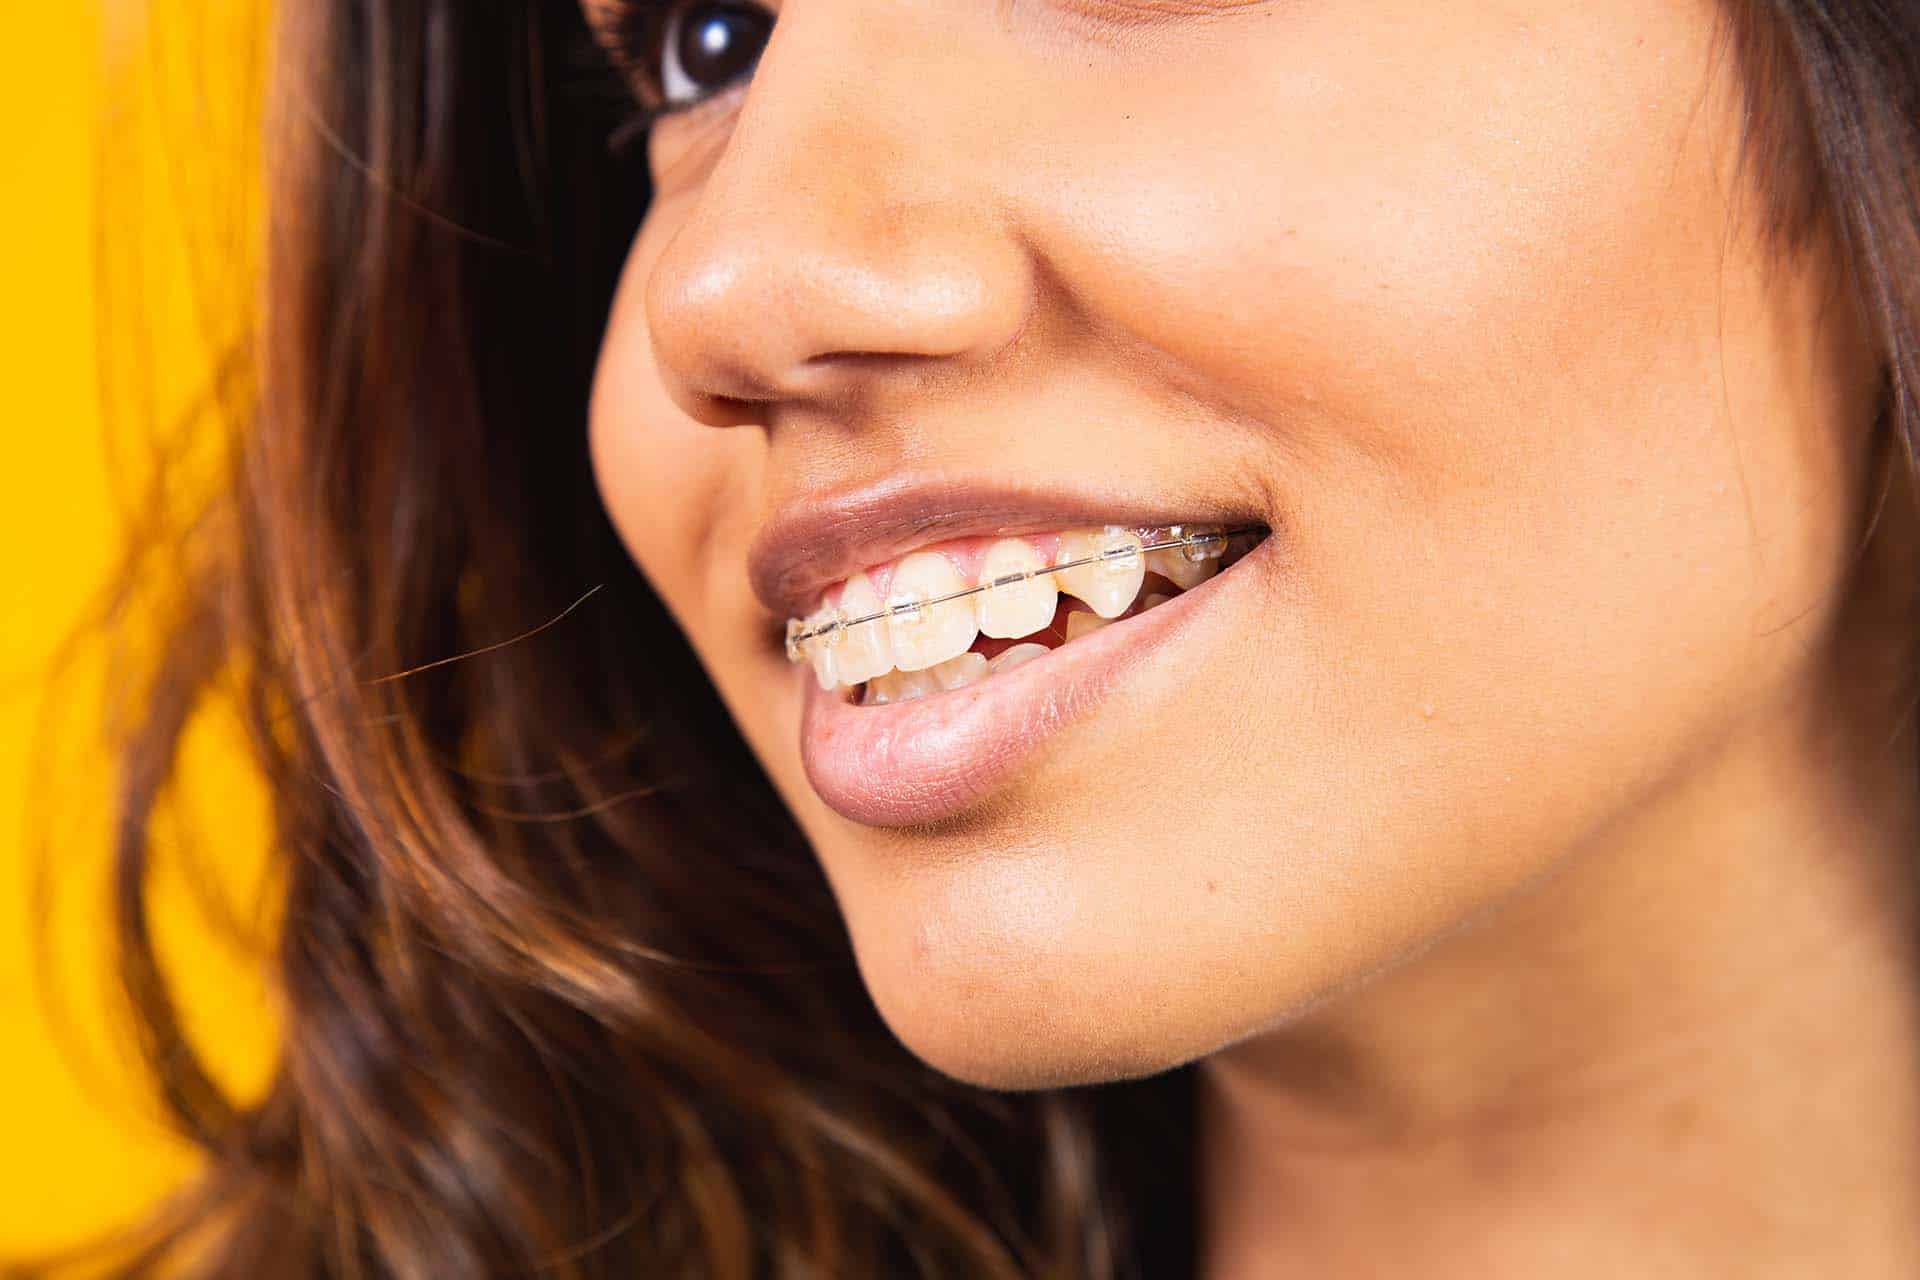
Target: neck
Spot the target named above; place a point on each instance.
(1694, 1050)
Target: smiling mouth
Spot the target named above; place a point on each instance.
(945, 617)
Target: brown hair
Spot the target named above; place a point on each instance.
(565, 992)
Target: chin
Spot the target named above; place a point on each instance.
(998, 976)
(1011, 1038)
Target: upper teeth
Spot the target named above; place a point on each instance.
(1019, 599)
(929, 613)
(1105, 569)
(929, 616)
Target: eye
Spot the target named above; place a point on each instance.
(708, 44)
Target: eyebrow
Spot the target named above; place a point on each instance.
(1148, 12)
(604, 15)
(605, 19)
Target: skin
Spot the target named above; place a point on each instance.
(1530, 864)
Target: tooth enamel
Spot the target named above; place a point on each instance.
(1207, 543)
(1172, 564)
(1018, 655)
(1013, 609)
(958, 673)
(1154, 598)
(826, 648)
(900, 686)
(1108, 585)
(1080, 622)
(864, 653)
(924, 635)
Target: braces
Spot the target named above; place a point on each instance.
(1201, 544)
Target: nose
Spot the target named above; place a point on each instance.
(842, 237)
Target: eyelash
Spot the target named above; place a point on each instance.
(634, 34)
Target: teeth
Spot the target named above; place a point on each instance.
(1080, 622)
(1014, 609)
(900, 686)
(1018, 655)
(863, 654)
(1108, 585)
(826, 649)
(958, 673)
(1208, 544)
(1173, 564)
(906, 686)
(931, 614)
(924, 635)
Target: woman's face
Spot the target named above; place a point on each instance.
(1461, 301)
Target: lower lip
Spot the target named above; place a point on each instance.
(931, 760)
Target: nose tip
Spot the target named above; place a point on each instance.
(801, 297)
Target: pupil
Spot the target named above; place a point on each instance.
(720, 42)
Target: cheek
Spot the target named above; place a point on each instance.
(684, 497)
(1485, 332)
(1354, 239)
(681, 494)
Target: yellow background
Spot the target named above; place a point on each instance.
(126, 141)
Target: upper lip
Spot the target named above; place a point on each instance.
(817, 538)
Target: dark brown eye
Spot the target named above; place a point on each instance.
(707, 45)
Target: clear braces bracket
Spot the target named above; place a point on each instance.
(1196, 544)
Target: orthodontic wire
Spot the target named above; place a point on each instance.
(796, 638)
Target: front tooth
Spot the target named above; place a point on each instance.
(1079, 622)
(1154, 598)
(924, 635)
(1172, 564)
(1018, 655)
(1107, 585)
(863, 653)
(1014, 609)
(958, 673)
(825, 646)
(900, 686)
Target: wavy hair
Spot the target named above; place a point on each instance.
(565, 992)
